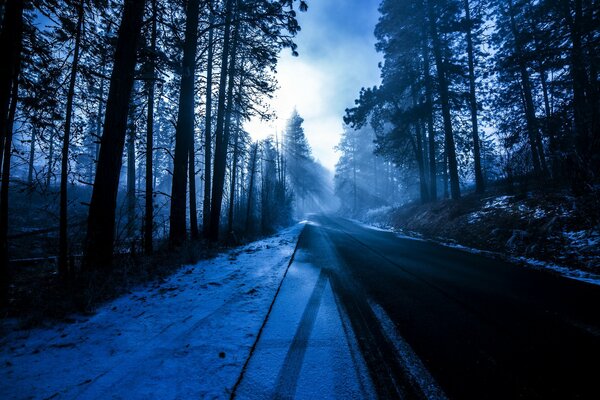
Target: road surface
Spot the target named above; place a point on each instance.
(471, 326)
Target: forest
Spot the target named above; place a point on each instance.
(200, 199)
(122, 131)
(123, 124)
(474, 93)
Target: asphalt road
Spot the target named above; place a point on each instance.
(483, 328)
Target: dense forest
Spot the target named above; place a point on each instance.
(122, 129)
(476, 93)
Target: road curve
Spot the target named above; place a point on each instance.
(483, 328)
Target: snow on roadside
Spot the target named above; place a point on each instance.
(187, 337)
(382, 228)
(570, 273)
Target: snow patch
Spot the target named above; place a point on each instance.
(497, 202)
(570, 273)
(185, 338)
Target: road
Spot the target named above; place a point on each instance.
(481, 327)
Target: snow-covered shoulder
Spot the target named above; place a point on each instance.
(187, 337)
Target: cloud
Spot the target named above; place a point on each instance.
(337, 58)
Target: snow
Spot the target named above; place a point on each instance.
(371, 226)
(307, 349)
(376, 213)
(475, 217)
(498, 202)
(582, 239)
(187, 337)
(570, 273)
(408, 235)
(539, 213)
(577, 239)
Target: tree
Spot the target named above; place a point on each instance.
(185, 126)
(149, 188)
(479, 183)
(442, 74)
(101, 219)
(208, 131)
(63, 263)
(10, 47)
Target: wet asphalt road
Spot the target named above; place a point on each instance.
(483, 328)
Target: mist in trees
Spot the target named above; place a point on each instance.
(474, 93)
(122, 122)
(309, 180)
(122, 125)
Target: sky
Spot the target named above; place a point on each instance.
(337, 58)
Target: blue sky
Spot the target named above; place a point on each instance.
(337, 58)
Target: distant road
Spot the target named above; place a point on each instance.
(483, 328)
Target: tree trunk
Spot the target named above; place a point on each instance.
(583, 134)
(251, 188)
(101, 220)
(417, 145)
(11, 43)
(185, 127)
(193, 202)
(532, 128)
(149, 206)
(31, 155)
(99, 118)
(131, 179)
(234, 162)
(233, 181)
(220, 138)
(479, 183)
(424, 191)
(208, 133)
(450, 148)
(430, 126)
(50, 158)
(63, 243)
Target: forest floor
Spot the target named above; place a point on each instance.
(542, 229)
(186, 336)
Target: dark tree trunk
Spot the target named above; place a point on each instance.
(430, 126)
(233, 182)
(193, 203)
(99, 119)
(11, 43)
(101, 220)
(479, 182)
(4, 272)
(234, 161)
(450, 148)
(149, 205)
(532, 128)
(63, 242)
(208, 133)
(131, 178)
(220, 138)
(50, 159)
(583, 134)
(11, 39)
(424, 191)
(31, 155)
(185, 127)
(251, 188)
(417, 144)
